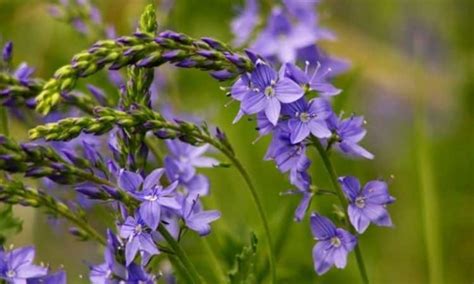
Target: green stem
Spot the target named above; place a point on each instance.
(180, 270)
(256, 200)
(4, 121)
(340, 194)
(216, 268)
(261, 212)
(181, 254)
(80, 223)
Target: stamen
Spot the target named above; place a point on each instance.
(228, 103)
(318, 66)
(306, 63)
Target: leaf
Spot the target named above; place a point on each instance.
(244, 267)
(9, 225)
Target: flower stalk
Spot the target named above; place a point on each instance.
(340, 194)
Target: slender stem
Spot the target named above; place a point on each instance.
(181, 254)
(4, 121)
(63, 211)
(253, 192)
(180, 269)
(261, 212)
(216, 268)
(340, 194)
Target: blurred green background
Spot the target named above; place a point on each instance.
(412, 76)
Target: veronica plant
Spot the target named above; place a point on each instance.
(283, 80)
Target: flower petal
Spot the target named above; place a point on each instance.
(355, 150)
(169, 202)
(263, 75)
(350, 186)
(272, 110)
(254, 102)
(322, 227)
(319, 128)
(129, 181)
(150, 212)
(287, 91)
(323, 257)
(131, 250)
(299, 130)
(377, 214)
(358, 218)
(153, 178)
(376, 192)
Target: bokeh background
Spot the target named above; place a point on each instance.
(412, 76)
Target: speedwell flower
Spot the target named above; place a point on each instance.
(268, 92)
(334, 244)
(367, 204)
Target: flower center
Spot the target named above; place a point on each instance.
(11, 273)
(138, 229)
(305, 117)
(152, 197)
(336, 242)
(269, 91)
(360, 202)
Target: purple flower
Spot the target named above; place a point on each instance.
(184, 158)
(367, 204)
(138, 238)
(317, 81)
(308, 117)
(197, 219)
(348, 132)
(282, 39)
(244, 24)
(303, 10)
(111, 268)
(153, 199)
(334, 244)
(151, 194)
(23, 73)
(268, 91)
(7, 52)
(17, 266)
(287, 156)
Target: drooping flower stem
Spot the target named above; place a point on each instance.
(261, 212)
(181, 254)
(340, 194)
(17, 193)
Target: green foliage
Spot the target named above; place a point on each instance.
(9, 224)
(244, 268)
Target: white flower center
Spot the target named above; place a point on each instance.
(152, 197)
(360, 202)
(269, 91)
(11, 273)
(336, 242)
(138, 229)
(305, 117)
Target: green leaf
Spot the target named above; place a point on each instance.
(9, 225)
(244, 267)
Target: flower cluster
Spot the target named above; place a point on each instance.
(293, 104)
(150, 182)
